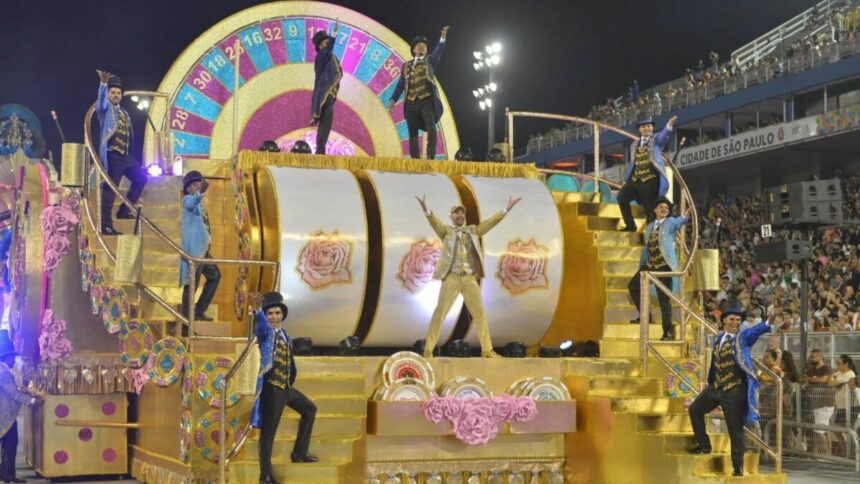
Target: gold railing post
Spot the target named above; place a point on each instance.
(644, 318)
(222, 449)
(236, 47)
(777, 464)
(596, 157)
(509, 125)
(190, 304)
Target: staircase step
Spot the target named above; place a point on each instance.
(618, 239)
(316, 384)
(325, 426)
(608, 210)
(575, 197)
(623, 314)
(715, 464)
(664, 423)
(616, 282)
(337, 404)
(615, 385)
(625, 268)
(675, 442)
(646, 404)
(171, 228)
(631, 331)
(342, 365)
(629, 348)
(621, 297)
(212, 328)
(608, 252)
(324, 471)
(325, 449)
(602, 366)
(597, 223)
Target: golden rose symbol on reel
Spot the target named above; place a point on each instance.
(417, 266)
(325, 260)
(523, 266)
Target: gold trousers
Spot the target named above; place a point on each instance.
(452, 286)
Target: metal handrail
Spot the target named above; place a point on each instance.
(837, 430)
(612, 183)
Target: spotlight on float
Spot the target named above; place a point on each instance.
(418, 346)
(154, 170)
(514, 349)
(549, 352)
(135, 99)
(566, 347)
(349, 346)
(458, 349)
(303, 346)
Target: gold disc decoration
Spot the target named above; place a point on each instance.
(97, 291)
(519, 386)
(407, 390)
(408, 364)
(135, 343)
(115, 309)
(185, 436)
(186, 393)
(466, 387)
(240, 297)
(210, 380)
(208, 429)
(547, 389)
(169, 357)
(683, 388)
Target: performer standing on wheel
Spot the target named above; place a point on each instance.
(732, 385)
(327, 73)
(422, 108)
(115, 150)
(645, 178)
(275, 386)
(459, 267)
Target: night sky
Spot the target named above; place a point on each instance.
(559, 56)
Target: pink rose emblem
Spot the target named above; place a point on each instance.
(523, 266)
(453, 408)
(434, 408)
(477, 424)
(59, 218)
(526, 409)
(417, 266)
(505, 407)
(325, 260)
(53, 346)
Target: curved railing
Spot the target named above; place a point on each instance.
(687, 208)
(95, 224)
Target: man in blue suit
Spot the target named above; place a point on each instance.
(328, 74)
(423, 107)
(275, 386)
(732, 385)
(659, 255)
(196, 240)
(115, 143)
(645, 179)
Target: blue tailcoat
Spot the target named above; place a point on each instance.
(266, 339)
(656, 145)
(433, 61)
(327, 76)
(108, 123)
(668, 229)
(741, 345)
(195, 237)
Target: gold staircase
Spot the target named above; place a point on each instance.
(338, 438)
(623, 414)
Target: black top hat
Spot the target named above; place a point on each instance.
(464, 154)
(272, 299)
(644, 122)
(114, 81)
(418, 39)
(663, 200)
(301, 146)
(319, 37)
(6, 346)
(732, 311)
(191, 177)
(270, 146)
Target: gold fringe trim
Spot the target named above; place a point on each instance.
(251, 159)
(146, 472)
(464, 469)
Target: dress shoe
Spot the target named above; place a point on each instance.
(699, 450)
(629, 229)
(268, 480)
(14, 479)
(202, 317)
(738, 473)
(303, 458)
(110, 231)
(125, 214)
(668, 336)
(490, 354)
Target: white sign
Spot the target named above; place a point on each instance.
(766, 231)
(745, 143)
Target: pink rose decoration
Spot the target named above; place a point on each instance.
(523, 266)
(477, 424)
(72, 200)
(59, 218)
(53, 346)
(526, 409)
(434, 408)
(453, 408)
(505, 407)
(324, 260)
(417, 266)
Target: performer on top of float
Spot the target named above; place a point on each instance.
(328, 74)
(275, 386)
(423, 107)
(732, 385)
(11, 399)
(117, 136)
(459, 267)
(645, 177)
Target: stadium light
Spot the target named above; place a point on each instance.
(487, 59)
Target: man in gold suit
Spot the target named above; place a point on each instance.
(459, 267)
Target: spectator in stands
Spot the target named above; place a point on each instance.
(818, 397)
(771, 360)
(645, 178)
(789, 369)
(773, 344)
(845, 381)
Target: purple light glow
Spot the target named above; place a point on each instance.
(154, 170)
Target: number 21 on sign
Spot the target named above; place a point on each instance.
(766, 231)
